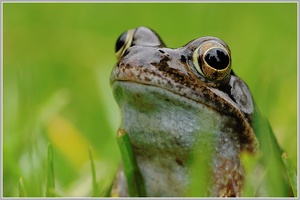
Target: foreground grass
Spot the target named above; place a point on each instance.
(270, 182)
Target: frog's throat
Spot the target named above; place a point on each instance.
(166, 128)
(246, 134)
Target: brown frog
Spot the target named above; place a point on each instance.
(180, 102)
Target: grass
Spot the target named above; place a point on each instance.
(21, 188)
(135, 182)
(96, 191)
(50, 188)
(292, 173)
(57, 59)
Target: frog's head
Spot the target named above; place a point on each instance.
(199, 71)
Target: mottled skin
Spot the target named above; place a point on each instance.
(168, 108)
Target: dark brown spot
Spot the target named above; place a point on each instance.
(179, 162)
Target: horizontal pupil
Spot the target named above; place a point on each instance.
(217, 58)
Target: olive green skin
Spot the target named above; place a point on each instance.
(171, 111)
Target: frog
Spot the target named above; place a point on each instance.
(179, 103)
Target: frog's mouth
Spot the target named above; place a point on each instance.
(179, 83)
(149, 98)
(188, 89)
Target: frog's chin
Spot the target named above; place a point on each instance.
(146, 107)
(153, 109)
(149, 98)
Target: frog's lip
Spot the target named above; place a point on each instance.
(195, 90)
(188, 95)
(248, 138)
(202, 94)
(183, 86)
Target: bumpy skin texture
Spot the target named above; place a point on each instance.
(168, 109)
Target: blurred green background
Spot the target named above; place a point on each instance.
(56, 68)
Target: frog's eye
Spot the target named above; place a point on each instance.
(123, 43)
(212, 60)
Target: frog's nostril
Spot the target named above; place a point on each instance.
(164, 54)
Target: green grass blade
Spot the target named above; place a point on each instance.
(134, 177)
(292, 173)
(274, 183)
(50, 188)
(108, 191)
(200, 169)
(96, 191)
(252, 177)
(21, 187)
